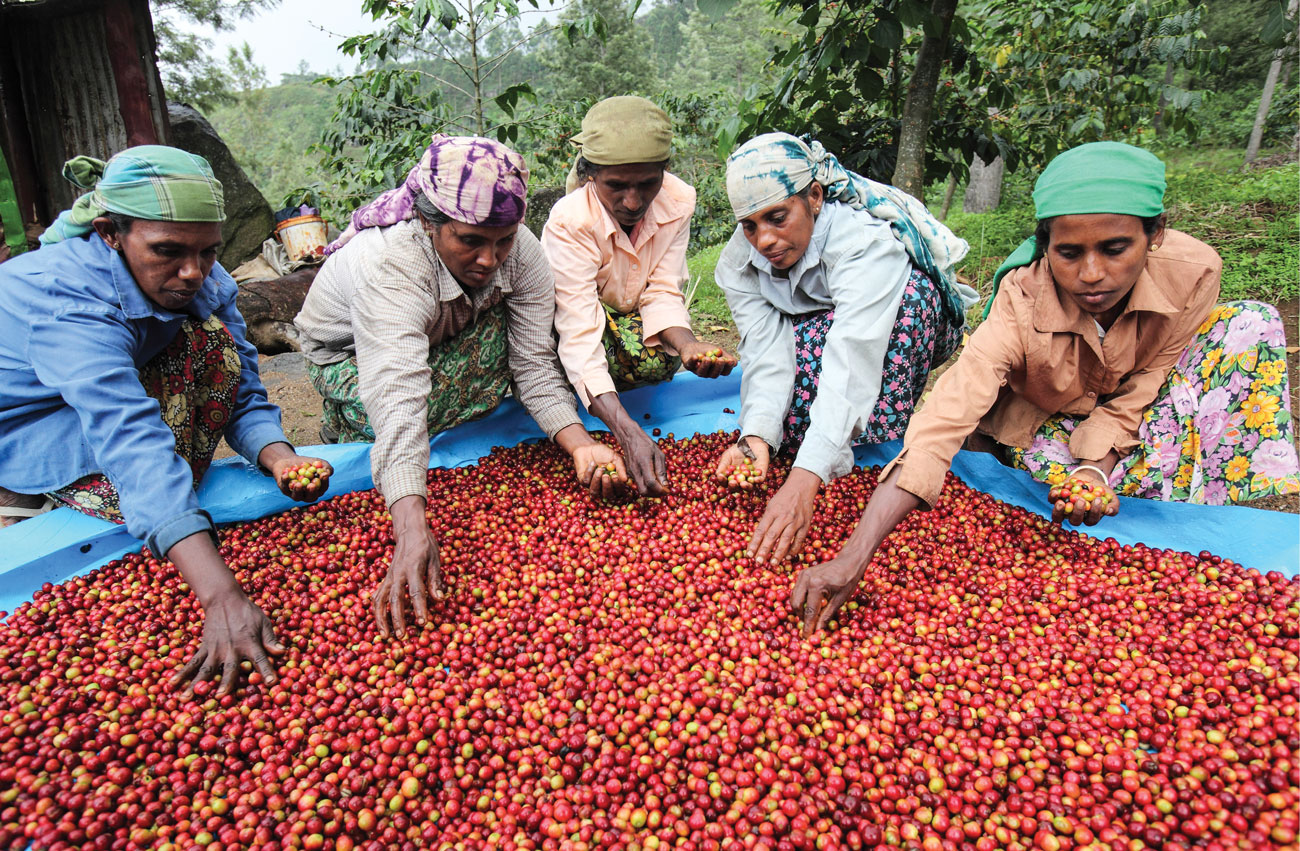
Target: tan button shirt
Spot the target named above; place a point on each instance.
(1039, 354)
(386, 298)
(595, 262)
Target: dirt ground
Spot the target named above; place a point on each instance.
(287, 385)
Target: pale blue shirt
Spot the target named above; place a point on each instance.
(853, 265)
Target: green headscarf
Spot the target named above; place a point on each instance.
(622, 130)
(1099, 177)
(151, 182)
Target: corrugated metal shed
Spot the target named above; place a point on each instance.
(75, 78)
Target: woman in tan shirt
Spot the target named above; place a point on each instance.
(1103, 361)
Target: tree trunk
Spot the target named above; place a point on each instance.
(947, 195)
(984, 191)
(909, 171)
(1266, 98)
(1163, 104)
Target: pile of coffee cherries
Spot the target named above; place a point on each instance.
(621, 675)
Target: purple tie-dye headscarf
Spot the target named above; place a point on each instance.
(472, 179)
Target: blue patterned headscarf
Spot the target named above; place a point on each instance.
(770, 168)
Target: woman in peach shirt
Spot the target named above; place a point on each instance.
(1104, 362)
(617, 244)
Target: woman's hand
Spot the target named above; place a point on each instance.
(301, 478)
(600, 469)
(281, 459)
(415, 571)
(822, 589)
(734, 458)
(784, 525)
(1083, 499)
(706, 360)
(645, 462)
(234, 629)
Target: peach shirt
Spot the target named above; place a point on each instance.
(1038, 354)
(595, 262)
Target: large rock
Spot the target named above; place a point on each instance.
(268, 308)
(540, 203)
(249, 220)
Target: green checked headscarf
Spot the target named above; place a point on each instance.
(1099, 177)
(151, 182)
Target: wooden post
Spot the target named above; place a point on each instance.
(128, 73)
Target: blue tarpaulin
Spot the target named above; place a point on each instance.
(64, 543)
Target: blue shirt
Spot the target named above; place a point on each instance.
(854, 265)
(74, 330)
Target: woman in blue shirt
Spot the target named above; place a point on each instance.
(844, 294)
(123, 361)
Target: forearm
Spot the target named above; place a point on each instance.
(572, 438)
(408, 516)
(275, 452)
(608, 408)
(888, 507)
(203, 569)
(677, 337)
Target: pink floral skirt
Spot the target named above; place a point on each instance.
(1219, 432)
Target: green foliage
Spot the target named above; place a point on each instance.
(189, 72)
(1086, 71)
(270, 132)
(596, 62)
(1251, 219)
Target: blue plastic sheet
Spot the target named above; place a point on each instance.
(63, 543)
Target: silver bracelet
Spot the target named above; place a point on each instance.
(1104, 478)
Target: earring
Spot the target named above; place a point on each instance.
(1155, 247)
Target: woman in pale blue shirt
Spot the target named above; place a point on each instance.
(844, 294)
(123, 362)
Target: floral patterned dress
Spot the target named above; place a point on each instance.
(1220, 430)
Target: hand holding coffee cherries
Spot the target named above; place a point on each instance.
(1082, 499)
(303, 479)
(707, 360)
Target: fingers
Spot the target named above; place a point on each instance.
(419, 592)
(813, 604)
(799, 592)
(661, 469)
(758, 539)
(783, 542)
(229, 674)
(380, 610)
(766, 536)
(832, 608)
(727, 460)
(1058, 511)
(801, 534)
(434, 578)
(395, 608)
(190, 673)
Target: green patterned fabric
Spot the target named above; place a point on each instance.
(470, 377)
(631, 362)
(154, 182)
(10, 216)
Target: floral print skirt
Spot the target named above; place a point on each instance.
(631, 362)
(196, 381)
(1220, 430)
(470, 374)
(922, 339)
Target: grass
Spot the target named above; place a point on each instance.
(1252, 219)
(708, 306)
